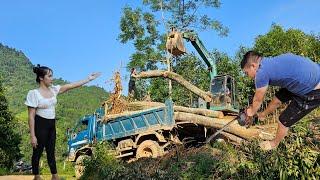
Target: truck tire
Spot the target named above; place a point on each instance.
(149, 148)
(79, 166)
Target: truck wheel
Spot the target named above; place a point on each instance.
(79, 166)
(149, 148)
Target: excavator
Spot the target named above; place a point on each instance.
(221, 99)
(222, 87)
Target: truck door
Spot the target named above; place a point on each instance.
(80, 134)
(92, 128)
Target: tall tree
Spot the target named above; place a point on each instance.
(141, 27)
(275, 42)
(279, 40)
(9, 141)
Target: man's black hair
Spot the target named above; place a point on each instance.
(250, 55)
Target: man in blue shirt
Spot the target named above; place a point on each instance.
(299, 82)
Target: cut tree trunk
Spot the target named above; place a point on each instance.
(232, 137)
(204, 112)
(176, 77)
(234, 128)
(140, 105)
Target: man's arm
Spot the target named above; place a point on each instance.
(272, 106)
(257, 101)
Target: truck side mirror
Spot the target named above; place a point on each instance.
(67, 132)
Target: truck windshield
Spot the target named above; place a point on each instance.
(81, 126)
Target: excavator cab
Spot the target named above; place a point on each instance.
(224, 93)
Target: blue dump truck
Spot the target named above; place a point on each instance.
(144, 133)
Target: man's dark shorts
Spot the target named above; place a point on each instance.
(298, 107)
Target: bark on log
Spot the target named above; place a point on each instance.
(204, 112)
(234, 128)
(176, 77)
(140, 105)
(232, 137)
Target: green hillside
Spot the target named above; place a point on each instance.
(17, 76)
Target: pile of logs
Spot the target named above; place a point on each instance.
(203, 117)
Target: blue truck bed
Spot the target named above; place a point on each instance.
(150, 119)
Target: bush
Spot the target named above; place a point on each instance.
(9, 141)
(3, 171)
(297, 157)
(103, 164)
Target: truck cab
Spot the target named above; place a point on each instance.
(84, 133)
(79, 136)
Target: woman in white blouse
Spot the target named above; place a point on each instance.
(41, 104)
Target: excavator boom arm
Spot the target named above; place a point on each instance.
(203, 52)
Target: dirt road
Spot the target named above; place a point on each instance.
(16, 177)
(30, 177)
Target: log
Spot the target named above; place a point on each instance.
(204, 112)
(204, 117)
(234, 128)
(232, 137)
(139, 105)
(176, 77)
